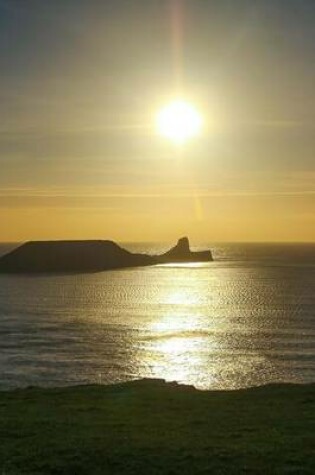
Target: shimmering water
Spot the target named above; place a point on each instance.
(246, 319)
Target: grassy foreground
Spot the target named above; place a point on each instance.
(150, 427)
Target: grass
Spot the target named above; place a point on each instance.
(150, 427)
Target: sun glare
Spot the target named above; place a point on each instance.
(178, 121)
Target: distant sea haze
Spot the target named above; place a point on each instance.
(248, 318)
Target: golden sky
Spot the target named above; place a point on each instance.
(82, 82)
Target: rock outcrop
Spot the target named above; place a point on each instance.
(182, 253)
(89, 256)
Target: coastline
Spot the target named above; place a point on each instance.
(150, 426)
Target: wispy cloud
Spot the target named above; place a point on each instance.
(63, 196)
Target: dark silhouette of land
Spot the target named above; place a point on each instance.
(89, 256)
(150, 427)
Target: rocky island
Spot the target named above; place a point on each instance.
(89, 256)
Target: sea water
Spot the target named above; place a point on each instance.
(246, 319)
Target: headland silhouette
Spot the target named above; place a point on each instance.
(90, 256)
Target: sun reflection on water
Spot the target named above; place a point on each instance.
(199, 333)
(177, 341)
(181, 297)
(172, 356)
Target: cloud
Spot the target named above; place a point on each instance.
(27, 197)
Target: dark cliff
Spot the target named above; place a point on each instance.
(88, 256)
(182, 253)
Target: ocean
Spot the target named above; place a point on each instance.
(246, 319)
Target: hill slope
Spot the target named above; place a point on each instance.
(150, 427)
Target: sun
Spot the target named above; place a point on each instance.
(178, 121)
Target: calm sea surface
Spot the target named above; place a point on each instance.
(246, 319)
